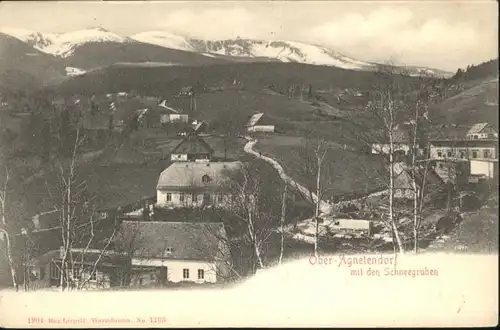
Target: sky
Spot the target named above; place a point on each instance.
(444, 34)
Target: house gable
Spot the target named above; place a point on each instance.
(192, 144)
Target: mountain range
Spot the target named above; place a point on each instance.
(74, 53)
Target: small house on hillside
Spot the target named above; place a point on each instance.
(481, 131)
(192, 148)
(199, 127)
(258, 123)
(187, 91)
(196, 184)
(171, 115)
(401, 142)
(403, 188)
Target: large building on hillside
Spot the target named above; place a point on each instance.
(196, 184)
(479, 148)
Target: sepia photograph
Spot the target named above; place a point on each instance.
(248, 164)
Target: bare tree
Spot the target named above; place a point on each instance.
(246, 205)
(4, 228)
(282, 221)
(380, 130)
(78, 225)
(312, 157)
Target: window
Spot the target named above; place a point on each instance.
(205, 178)
(169, 197)
(185, 273)
(476, 137)
(449, 153)
(486, 154)
(474, 153)
(76, 273)
(181, 197)
(54, 271)
(201, 274)
(194, 198)
(92, 275)
(219, 198)
(462, 154)
(206, 198)
(439, 154)
(42, 272)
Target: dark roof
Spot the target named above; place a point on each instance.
(403, 177)
(193, 144)
(184, 240)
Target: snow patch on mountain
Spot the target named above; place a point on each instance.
(70, 71)
(163, 39)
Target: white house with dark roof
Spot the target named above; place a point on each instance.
(140, 253)
(401, 142)
(171, 115)
(175, 251)
(258, 123)
(194, 184)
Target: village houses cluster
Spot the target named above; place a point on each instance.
(151, 244)
(148, 245)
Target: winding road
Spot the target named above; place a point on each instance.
(324, 207)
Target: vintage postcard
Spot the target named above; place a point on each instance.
(248, 164)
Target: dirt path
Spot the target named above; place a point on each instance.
(325, 208)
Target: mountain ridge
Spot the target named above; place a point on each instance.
(66, 45)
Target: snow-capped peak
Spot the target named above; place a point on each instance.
(63, 44)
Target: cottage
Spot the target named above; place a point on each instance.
(401, 143)
(481, 131)
(171, 115)
(175, 251)
(192, 148)
(195, 184)
(199, 127)
(257, 123)
(349, 226)
(403, 187)
(186, 91)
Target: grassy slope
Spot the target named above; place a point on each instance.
(166, 81)
(470, 106)
(343, 171)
